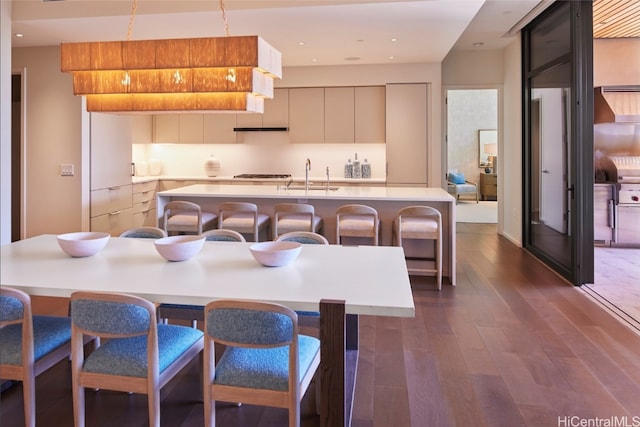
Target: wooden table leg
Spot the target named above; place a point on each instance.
(338, 363)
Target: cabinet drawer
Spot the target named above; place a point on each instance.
(144, 206)
(145, 219)
(143, 187)
(144, 197)
(110, 200)
(113, 223)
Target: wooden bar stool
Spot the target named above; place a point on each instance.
(187, 217)
(290, 217)
(357, 221)
(244, 218)
(421, 223)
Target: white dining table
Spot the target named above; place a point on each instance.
(342, 282)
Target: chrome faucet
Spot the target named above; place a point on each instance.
(307, 168)
(327, 177)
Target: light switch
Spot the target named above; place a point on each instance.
(66, 170)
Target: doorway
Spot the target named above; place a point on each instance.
(472, 115)
(16, 157)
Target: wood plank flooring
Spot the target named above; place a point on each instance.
(511, 345)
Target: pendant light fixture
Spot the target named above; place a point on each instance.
(215, 74)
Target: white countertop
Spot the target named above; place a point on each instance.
(317, 179)
(371, 280)
(409, 194)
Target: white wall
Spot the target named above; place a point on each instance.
(54, 129)
(501, 69)
(5, 122)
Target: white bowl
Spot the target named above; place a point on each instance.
(275, 254)
(179, 248)
(83, 243)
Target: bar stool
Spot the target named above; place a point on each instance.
(357, 221)
(422, 223)
(242, 217)
(290, 217)
(187, 217)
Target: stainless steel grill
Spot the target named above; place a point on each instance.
(624, 171)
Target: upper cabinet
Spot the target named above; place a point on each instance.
(314, 115)
(369, 117)
(406, 147)
(141, 128)
(218, 129)
(337, 115)
(306, 115)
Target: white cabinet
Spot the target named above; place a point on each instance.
(276, 110)
(369, 120)
(339, 115)
(141, 129)
(406, 122)
(111, 202)
(306, 115)
(191, 128)
(166, 128)
(144, 204)
(218, 129)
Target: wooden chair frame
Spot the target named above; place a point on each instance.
(298, 211)
(149, 385)
(229, 209)
(425, 213)
(178, 207)
(355, 210)
(289, 399)
(28, 370)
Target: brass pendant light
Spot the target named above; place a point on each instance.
(216, 74)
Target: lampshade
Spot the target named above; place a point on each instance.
(232, 73)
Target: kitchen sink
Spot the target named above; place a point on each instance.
(314, 187)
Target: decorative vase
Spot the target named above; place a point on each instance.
(487, 170)
(212, 166)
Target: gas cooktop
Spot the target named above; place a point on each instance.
(263, 175)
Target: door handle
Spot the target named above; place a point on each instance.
(545, 171)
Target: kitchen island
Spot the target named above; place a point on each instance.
(386, 200)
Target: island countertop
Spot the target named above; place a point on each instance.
(427, 194)
(386, 200)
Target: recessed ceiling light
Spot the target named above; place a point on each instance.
(19, 35)
(394, 39)
(301, 43)
(314, 60)
(392, 57)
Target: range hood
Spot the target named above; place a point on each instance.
(616, 104)
(261, 129)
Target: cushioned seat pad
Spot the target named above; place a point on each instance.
(49, 333)
(264, 368)
(128, 356)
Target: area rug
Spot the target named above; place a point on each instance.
(485, 212)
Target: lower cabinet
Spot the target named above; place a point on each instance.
(111, 209)
(144, 204)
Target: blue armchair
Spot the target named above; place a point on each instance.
(459, 186)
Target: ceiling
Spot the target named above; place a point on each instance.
(333, 32)
(307, 32)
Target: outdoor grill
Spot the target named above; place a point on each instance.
(624, 172)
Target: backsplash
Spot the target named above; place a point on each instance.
(268, 155)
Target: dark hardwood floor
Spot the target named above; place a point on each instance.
(511, 345)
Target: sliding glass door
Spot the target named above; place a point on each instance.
(558, 139)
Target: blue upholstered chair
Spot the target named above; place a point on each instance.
(265, 361)
(218, 235)
(140, 355)
(145, 233)
(195, 313)
(459, 187)
(304, 237)
(29, 345)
